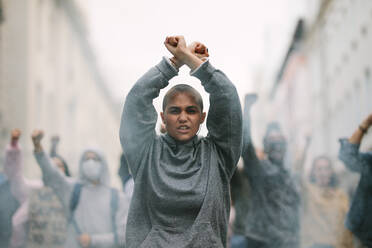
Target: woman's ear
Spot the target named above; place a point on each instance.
(163, 118)
(202, 117)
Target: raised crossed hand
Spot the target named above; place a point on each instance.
(192, 55)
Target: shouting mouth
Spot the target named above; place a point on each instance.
(183, 129)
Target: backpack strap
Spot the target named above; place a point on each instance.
(73, 204)
(114, 203)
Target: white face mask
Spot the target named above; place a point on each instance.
(92, 169)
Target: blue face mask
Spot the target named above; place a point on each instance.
(91, 169)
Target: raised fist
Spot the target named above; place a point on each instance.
(176, 45)
(15, 134)
(36, 136)
(199, 49)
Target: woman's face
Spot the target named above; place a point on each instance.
(59, 164)
(182, 117)
(322, 172)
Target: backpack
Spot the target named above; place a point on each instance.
(114, 203)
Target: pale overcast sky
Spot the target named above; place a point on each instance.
(241, 35)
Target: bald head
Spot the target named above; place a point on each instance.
(183, 88)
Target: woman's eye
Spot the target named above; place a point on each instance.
(174, 111)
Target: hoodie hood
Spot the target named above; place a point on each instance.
(104, 176)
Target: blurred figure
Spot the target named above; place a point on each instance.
(8, 206)
(47, 219)
(265, 198)
(20, 188)
(359, 218)
(324, 208)
(97, 213)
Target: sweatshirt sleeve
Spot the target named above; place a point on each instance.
(138, 121)
(224, 121)
(108, 239)
(54, 178)
(13, 170)
(19, 230)
(352, 158)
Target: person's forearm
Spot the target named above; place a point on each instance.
(139, 117)
(190, 59)
(357, 136)
(224, 122)
(53, 178)
(38, 148)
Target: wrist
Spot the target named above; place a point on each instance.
(38, 147)
(176, 63)
(192, 61)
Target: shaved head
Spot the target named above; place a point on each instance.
(183, 88)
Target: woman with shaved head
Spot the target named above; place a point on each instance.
(181, 195)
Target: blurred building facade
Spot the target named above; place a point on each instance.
(49, 79)
(324, 85)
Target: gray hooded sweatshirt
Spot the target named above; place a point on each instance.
(181, 194)
(93, 212)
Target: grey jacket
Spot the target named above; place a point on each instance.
(93, 212)
(265, 197)
(181, 195)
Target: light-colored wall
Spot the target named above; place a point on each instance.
(327, 85)
(49, 80)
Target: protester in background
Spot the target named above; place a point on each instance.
(266, 199)
(97, 213)
(46, 216)
(20, 187)
(324, 208)
(181, 195)
(8, 206)
(359, 218)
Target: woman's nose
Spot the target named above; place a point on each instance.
(182, 117)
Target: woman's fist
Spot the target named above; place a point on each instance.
(176, 45)
(199, 49)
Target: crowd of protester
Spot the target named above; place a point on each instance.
(183, 190)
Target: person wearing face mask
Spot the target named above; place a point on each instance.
(324, 207)
(97, 213)
(266, 198)
(181, 194)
